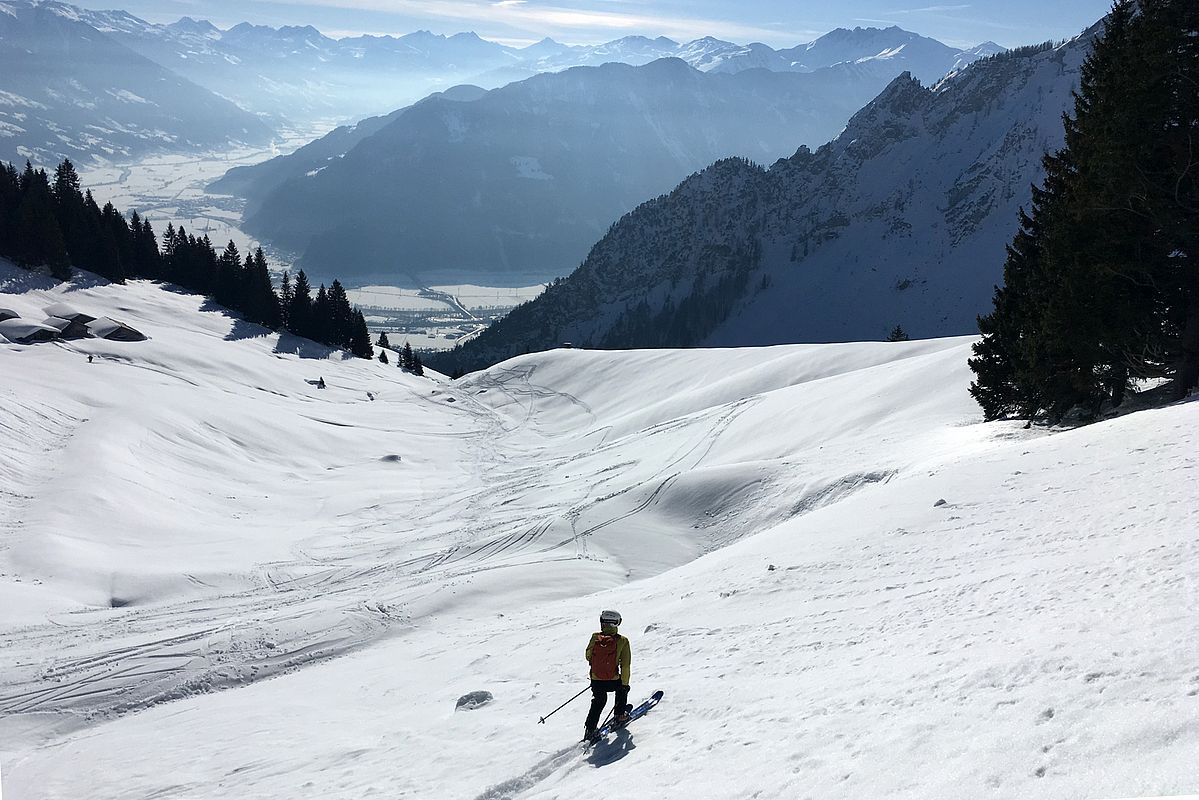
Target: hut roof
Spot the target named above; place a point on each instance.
(106, 328)
(64, 311)
(69, 328)
(24, 330)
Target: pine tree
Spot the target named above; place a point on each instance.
(418, 368)
(262, 304)
(299, 310)
(898, 334)
(383, 341)
(407, 359)
(341, 317)
(285, 296)
(1091, 301)
(37, 238)
(227, 285)
(71, 211)
(322, 318)
(10, 200)
(146, 261)
(360, 340)
(1169, 178)
(999, 361)
(382, 356)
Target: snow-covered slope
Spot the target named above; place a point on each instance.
(845, 583)
(901, 220)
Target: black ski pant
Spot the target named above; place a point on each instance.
(599, 698)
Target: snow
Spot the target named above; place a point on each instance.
(530, 167)
(191, 514)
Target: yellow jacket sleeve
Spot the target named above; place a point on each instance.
(625, 653)
(587, 652)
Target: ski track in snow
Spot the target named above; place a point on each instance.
(190, 514)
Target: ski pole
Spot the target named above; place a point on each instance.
(559, 708)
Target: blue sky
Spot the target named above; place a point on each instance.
(775, 22)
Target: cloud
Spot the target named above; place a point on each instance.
(570, 24)
(929, 9)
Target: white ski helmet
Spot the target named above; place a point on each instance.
(610, 618)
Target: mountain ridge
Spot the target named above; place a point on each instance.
(902, 219)
(516, 184)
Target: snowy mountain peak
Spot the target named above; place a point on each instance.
(193, 26)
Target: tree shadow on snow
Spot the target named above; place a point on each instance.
(610, 751)
(245, 330)
(18, 280)
(85, 280)
(304, 348)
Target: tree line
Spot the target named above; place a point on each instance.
(408, 360)
(1100, 297)
(53, 223)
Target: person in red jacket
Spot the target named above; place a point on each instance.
(610, 657)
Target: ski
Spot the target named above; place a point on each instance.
(634, 713)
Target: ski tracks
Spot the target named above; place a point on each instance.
(513, 788)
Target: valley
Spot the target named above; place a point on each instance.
(852, 373)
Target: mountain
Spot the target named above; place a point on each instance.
(903, 50)
(927, 59)
(902, 219)
(296, 75)
(67, 89)
(260, 180)
(516, 185)
(221, 581)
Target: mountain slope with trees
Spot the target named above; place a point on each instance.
(69, 90)
(52, 224)
(515, 185)
(899, 221)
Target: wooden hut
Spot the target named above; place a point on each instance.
(64, 311)
(23, 331)
(105, 328)
(68, 328)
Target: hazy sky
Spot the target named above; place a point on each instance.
(775, 22)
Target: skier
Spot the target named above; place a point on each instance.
(610, 657)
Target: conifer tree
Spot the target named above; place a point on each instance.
(10, 199)
(262, 304)
(285, 296)
(37, 237)
(383, 341)
(322, 318)
(360, 341)
(341, 317)
(1094, 299)
(299, 311)
(407, 359)
(227, 285)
